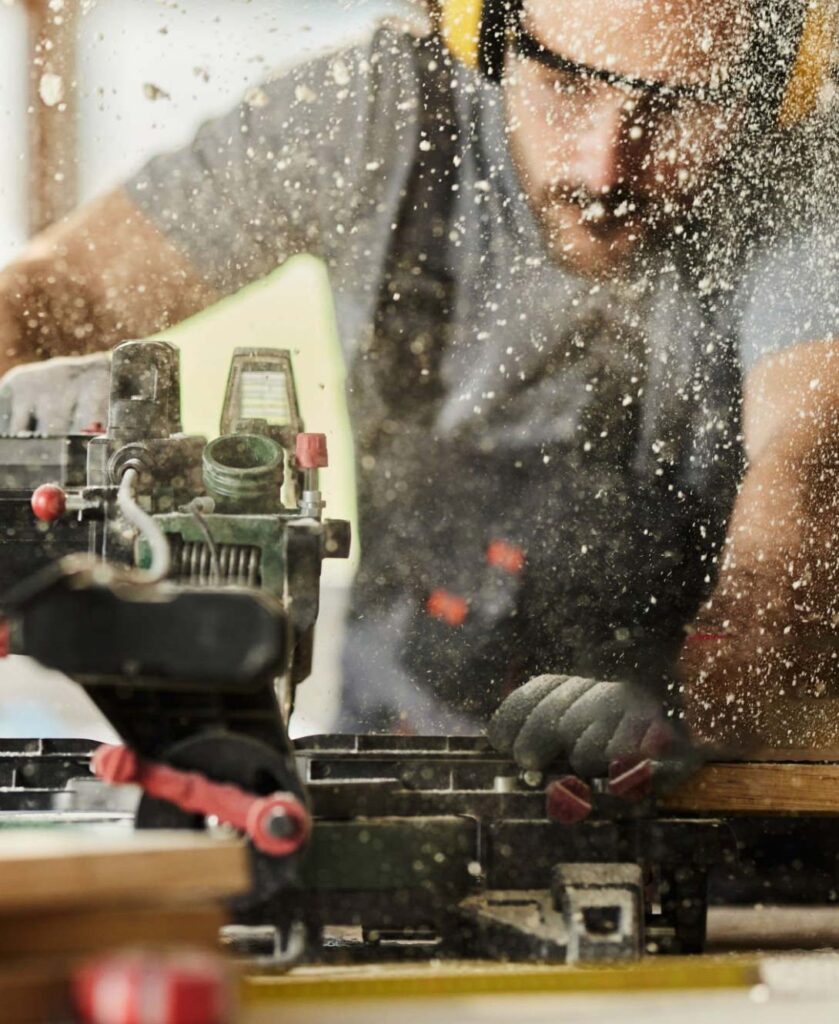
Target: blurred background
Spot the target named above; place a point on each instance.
(89, 90)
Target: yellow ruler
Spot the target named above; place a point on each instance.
(471, 978)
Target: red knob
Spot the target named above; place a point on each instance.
(310, 451)
(49, 502)
(278, 824)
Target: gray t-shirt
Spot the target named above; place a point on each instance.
(546, 464)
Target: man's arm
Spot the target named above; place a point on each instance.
(295, 168)
(312, 162)
(103, 274)
(763, 651)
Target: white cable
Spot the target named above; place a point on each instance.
(161, 558)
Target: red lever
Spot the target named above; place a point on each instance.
(278, 824)
(568, 800)
(310, 451)
(49, 502)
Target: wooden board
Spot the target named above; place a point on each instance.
(85, 930)
(758, 788)
(32, 993)
(766, 927)
(66, 867)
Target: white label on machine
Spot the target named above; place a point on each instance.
(264, 396)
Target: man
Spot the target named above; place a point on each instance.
(545, 292)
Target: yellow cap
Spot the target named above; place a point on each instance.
(811, 69)
(461, 29)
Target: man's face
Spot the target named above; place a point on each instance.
(606, 163)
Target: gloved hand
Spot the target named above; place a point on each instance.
(57, 396)
(590, 725)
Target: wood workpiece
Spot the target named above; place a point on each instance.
(758, 788)
(64, 867)
(69, 893)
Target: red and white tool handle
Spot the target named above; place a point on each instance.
(278, 824)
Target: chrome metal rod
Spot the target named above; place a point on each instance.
(161, 558)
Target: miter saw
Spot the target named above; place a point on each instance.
(177, 582)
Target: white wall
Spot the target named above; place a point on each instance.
(13, 100)
(202, 55)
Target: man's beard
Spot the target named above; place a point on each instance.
(602, 213)
(623, 226)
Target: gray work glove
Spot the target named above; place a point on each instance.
(590, 725)
(57, 396)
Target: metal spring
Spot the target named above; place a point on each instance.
(239, 564)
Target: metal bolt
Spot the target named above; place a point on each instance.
(281, 825)
(505, 783)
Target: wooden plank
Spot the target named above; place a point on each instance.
(768, 927)
(82, 931)
(78, 867)
(32, 993)
(758, 788)
(817, 754)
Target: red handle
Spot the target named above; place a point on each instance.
(278, 824)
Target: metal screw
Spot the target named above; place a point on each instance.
(281, 825)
